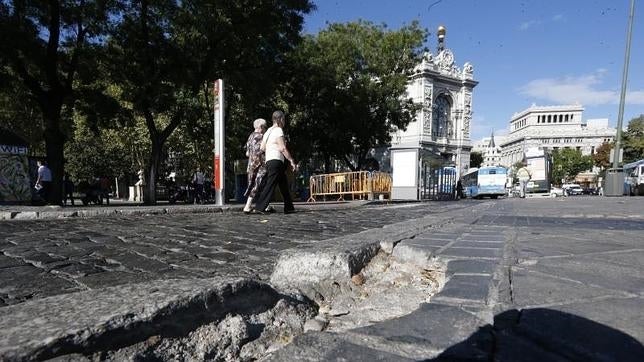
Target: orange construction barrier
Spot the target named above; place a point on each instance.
(358, 184)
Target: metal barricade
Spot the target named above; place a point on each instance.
(358, 184)
(439, 183)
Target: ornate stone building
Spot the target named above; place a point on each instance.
(551, 128)
(490, 149)
(441, 131)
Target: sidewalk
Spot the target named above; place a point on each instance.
(544, 280)
(127, 208)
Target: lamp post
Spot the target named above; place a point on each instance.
(615, 177)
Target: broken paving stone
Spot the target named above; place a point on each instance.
(316, 324)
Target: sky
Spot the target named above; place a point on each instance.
(543, 52)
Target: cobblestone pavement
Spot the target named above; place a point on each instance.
(40, 258)
(527, 280)
(551, 279)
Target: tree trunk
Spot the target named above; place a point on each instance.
(55, 149)
(55, 145)
(149, 196)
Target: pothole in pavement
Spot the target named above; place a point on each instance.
(385, 288)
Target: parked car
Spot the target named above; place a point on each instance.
(556, 192)
(591, 191)
(572, 189)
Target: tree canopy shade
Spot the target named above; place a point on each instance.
(601, 157)
(163, 52)
(568, 163)
(45, 46)
(476, 159)
(634, 140)
(348, 89)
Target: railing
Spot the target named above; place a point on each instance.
(359, 184)
(438, 183)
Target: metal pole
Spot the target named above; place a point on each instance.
(622, 97)
(219, 139)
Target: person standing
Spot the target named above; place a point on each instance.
(198, 179)
(276, 152)
(44, 181)
(68, 190)
(105, 189)
(255, 170)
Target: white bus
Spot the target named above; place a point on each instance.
(634, 178)
(485, 181)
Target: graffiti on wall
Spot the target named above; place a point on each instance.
(15, 185)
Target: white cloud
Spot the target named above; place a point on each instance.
(528, 24)
(558, 17)
(585, 90)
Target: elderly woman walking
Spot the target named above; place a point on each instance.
(256, 169)
(274, 145)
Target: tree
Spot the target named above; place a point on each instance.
(20, 114)
(348, 89)
(601, 157)
(568, 163)
(163, 52)
(476, 159)
(45, 44)
(634, 140)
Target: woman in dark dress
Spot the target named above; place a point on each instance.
(256, 169)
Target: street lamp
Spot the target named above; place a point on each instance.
(615, 176)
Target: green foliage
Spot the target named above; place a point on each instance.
(515, 169)
(45, 46)
(109, 152)
(476, 159)
(601, 157)
(567, 163)
(21, 115)
(162, 53)
(634, 140)
(347, 91)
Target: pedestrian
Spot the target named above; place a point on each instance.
(43, 183)
(197, 180)
(68, 190)
(274, 146)
(255, 170)
(105, 188)
(459, 189)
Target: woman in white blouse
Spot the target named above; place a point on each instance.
(274, 145)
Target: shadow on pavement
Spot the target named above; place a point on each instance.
(545, 335)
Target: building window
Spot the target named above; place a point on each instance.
(549, 118)
(441, 111)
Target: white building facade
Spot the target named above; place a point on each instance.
(552, 128)
(440, 134)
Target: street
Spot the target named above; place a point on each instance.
(577, 256)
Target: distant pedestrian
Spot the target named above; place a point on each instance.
(43, 183)
(198, 180)
(255, 170)
(274, 146)
(105, 189)
(68, 190)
